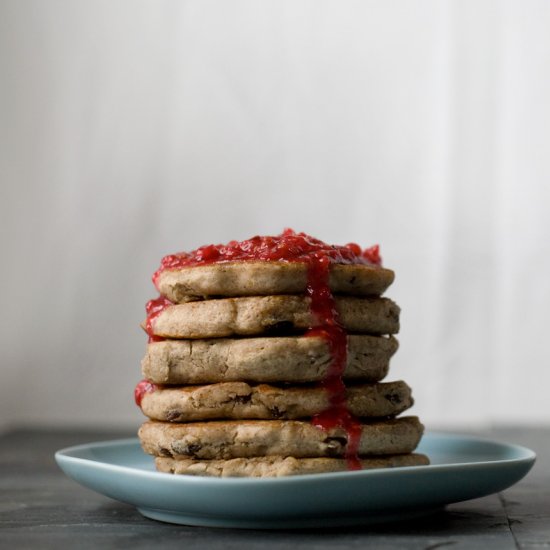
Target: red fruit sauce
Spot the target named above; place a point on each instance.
(154, 308)
(328, 327)
(142, 388)
(287, 247)
(291, 247)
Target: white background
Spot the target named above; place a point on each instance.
(133, 129)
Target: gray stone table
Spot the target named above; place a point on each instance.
(41, 508)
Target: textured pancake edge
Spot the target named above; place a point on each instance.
(252, 278)
(301, 439)
(280, 466)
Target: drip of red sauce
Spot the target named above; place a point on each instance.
(154, 308)
(328, 327)
(142, 388)
(318, 256)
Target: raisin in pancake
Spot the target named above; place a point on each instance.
(277, 466)
(299, 359)
(256, 278)
(239, 400)
(271, 314)
(248, 438)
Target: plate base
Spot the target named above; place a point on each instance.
(302, 523)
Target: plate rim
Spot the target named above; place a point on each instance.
(524, 455)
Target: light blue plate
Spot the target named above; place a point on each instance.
(461, 468)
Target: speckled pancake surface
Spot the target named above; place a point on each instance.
(255, 278)
(278, 466)
(239, 400)
(300, 439)
(257, 315)
(298, 359)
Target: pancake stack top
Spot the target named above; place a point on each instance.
(265, 359)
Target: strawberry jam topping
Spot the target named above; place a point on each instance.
(287, 247)
(154, 308)
(318, 256)
(142, 388)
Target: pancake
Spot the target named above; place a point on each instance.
(298, 359)
(248, 438)
(262, 278)
(278, 466)
(239, 400)
(257, 315)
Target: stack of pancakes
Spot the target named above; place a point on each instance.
(238, 384)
